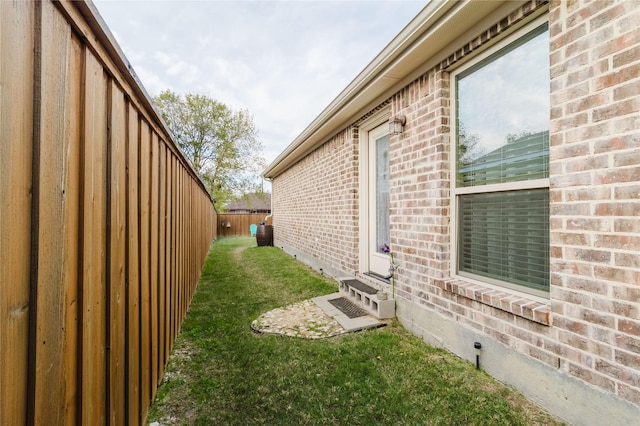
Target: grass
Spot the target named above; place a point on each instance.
(222, 373)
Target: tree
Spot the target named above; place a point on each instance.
(468, 148)
(222, 144)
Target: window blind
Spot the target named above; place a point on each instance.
(505, 236)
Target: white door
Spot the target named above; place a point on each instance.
(378, 217)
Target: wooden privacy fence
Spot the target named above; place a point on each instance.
(104, 227)
(237, 224)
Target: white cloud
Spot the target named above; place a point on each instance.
(284, 61)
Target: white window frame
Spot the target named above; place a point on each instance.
(510, 186)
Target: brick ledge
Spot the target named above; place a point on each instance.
(517, 305)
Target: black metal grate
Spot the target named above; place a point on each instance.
(348, 308)
(360, 286)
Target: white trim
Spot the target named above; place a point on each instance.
(378, 262)
(377, 119)
(457, 69)
(500, 187)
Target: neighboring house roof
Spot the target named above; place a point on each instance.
(255, 202)
(519, 157)
(426, 41)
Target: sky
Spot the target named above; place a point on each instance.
(283, 61)
(521, 76)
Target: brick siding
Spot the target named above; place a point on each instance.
(590, 328)
(595, 192)
(315, 203)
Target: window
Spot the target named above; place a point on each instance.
(501, 190)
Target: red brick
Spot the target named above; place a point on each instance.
(618, 241)
(628, 57)
(569, 122)
(579, 332)
(607, 16)
(572, 297)
(627, 225)
(616, 110)
(616, 274)
(588, 255)
(627, 158)
(575, 150)
(628, 343)
(592, 193)
(631, 291)
(631, 394)
(618, 209)
(586, 163)
(629, 260)
(629, 326)
(588, 224)
(589, 285)
(616, 144)
(544, 356)
(595, 131)
(617, 77)
(568, 180)
(565, 238)
(598, 318)
(586, 103)
(581, 372)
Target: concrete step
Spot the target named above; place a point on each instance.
(367, 297)
(349, 324)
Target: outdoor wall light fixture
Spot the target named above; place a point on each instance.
(396, 124)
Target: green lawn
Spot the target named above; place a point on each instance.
(222, 373)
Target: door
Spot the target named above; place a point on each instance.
(378, 217)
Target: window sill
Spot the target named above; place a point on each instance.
(377, 277)
(519, 305)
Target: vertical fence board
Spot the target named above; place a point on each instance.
(116, 285)
(181, 256)
(57, 240)
(185, 247)
(162, 228)
(72, 193)
(189, 236)
(111, 252)
(133, 269)
(167, 255)
(179, 240)
(16, 68)
(175, 291)
(94, 243)
(145, 318)
(239, 223)
(153, 254)
(170, 249)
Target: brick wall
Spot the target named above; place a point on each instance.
(419, 181)
(315, 203)
(595, 192)
(589, 329)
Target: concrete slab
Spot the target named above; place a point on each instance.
(349, 324)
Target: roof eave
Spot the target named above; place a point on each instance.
(427, 35)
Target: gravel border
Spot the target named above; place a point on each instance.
(303, 319)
